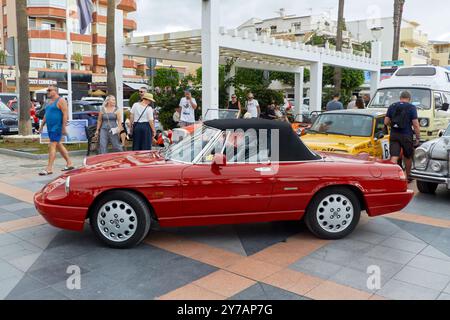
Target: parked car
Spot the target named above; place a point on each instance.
(9, 121)
(13, 105)
(85, 110)
(93, 99)
(350, 132)
(7, 97)
(219, 176)
(432, 163)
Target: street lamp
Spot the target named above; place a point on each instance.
(376, 32)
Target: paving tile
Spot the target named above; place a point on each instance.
(16, 206)
(316, 267)
(191, 292)
(402, 234)
(26, 213)
(367, 236)
(381, 226)
(349, 245)
(53, 273)
(6, 285)
(283, 254)
(399, 290)
(387, 268)
(355, 279)
(187, 268)
(447, 289)
(46, 293)
(254, 269)
(403, 244)
(431, 251)
(8, 271)
(8, 239)
(423, 232)
(341, 257)
(431, 264)
(333, 291)
(6, 200)
(224, 283)
(23, 263)
(217, 257)
(293, 281)
(36, 231)
(390, 254)
(423, 278)
(442, 243)
(262, 291)
(8, 216)
(18, 250)
(444, 296)
(27, 284)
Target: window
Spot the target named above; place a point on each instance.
(273, 29)
(380, 127)
(344, 124)
(101, 50)
(297, 26)
(416, 71)
(258, 31)
(31, 23)
(421, 98)
(438, 100)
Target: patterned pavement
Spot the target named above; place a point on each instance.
(266, 261)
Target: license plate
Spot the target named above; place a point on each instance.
(14, 129)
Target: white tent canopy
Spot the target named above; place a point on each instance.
(213, 45)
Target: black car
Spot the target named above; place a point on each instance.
(9, 122)
(86, 110)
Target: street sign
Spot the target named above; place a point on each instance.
(395, 63)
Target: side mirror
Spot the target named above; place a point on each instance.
(219, 160)
(441, 133)
(379, 135)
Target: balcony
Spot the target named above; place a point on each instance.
(57, 33)
(127, 5)
(414, 37)
(129, 24)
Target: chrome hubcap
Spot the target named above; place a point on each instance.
(117, 221)
(335, 213)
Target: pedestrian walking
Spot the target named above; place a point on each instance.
(360, 104)
(402, 117)
(188, 106)
(142, 92)
(335, 104)
(252, 106)
(352, 103)
(109, 126)
(56, 116)
(234, 104)
(143, 127)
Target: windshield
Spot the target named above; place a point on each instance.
(222, 113)
(78, 107)
(421, 98)
(189, 148)
(343, 124)
(4, 108)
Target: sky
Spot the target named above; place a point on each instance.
(157, 16)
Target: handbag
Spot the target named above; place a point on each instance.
(115, 130)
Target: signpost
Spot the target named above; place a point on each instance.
(395, 63)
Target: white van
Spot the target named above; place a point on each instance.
(430, 89)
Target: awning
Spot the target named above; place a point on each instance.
(135, 85)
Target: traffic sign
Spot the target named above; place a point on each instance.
(395, 63)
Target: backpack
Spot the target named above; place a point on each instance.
(400, 118)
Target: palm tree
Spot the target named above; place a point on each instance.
(110, 47)
(339, 41)
(24, 67)
(398, 16)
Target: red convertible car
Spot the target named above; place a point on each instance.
(227, 172)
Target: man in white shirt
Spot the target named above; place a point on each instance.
(252, 106)
(188, 106)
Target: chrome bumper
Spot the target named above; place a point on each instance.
(424, 176)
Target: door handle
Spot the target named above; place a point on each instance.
(263, 169)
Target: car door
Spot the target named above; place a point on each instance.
(239, 187)
(381, 145)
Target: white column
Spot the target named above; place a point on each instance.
(119, 46)
(375, 76)
(210, 59)
(316, 86)
(298, 92)
(232, 74)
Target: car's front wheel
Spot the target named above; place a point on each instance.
(426, 187)
(333, 213)
(120, 219)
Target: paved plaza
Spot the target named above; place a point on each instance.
(270, 261)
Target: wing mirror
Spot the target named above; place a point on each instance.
(379, 135)
(441, 133)
(219, 160)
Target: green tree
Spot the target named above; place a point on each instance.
(167, 77)
(78, 58)
(351, 80)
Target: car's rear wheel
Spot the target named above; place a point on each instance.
(426, 187)
(333, 213)
(120, 219)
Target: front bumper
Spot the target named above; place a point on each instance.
(65, 217)
(429, 177)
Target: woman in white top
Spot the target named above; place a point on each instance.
(142, 125)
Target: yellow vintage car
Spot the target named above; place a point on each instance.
(350, 132)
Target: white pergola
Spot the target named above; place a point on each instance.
(214, 45)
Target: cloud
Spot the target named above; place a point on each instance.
(175, 15)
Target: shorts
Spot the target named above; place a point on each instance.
(55, 136)
(399, 142)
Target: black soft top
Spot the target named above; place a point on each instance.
(291, 148)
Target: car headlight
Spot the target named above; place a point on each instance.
(424, 122)
(67, 185)
(420, 159)
(436, 166)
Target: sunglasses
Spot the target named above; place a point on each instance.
(142, 92)
(50, 90)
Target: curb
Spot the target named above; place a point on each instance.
(32, 156)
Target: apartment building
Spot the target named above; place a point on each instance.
(413, 42)
(440, 53)
(47, 36)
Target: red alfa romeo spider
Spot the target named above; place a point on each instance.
(227, 172)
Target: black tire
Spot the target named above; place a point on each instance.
(318, 227)
(140, 217)
(426, 187)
